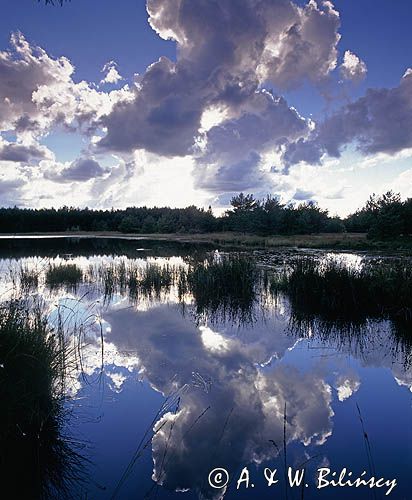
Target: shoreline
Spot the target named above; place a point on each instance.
(331, 241)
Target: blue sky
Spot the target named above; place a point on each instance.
(89, 33)
(184, 122)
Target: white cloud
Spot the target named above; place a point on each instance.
(347, 385)
(111, 74)
(379, 122)
(352, 67)
(23, 152)
(39, 92)
(225, 53)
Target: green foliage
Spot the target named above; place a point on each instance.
(243, 203)
(129, 224)
(269, 216)
(383, 217)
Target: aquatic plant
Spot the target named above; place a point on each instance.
(36, 461)
(335, 290)
(28, 278)
(154, 278)
(226, 286)
(69, 275)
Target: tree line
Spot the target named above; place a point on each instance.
(382, 217)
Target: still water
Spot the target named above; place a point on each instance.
(163, 391)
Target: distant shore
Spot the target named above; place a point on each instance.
(336, 241)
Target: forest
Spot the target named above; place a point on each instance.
(382, 217)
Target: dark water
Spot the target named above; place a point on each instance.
(174, 394)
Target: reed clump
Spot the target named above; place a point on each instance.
(227, 285)
(35, 460)
(148, 280)
(28, 278)
(154, 278)
(69, 275)
(332, 288)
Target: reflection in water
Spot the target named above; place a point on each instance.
(190, 383)
(238, 414)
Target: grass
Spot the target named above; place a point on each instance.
(35, 461)
(154, 278)
(28, 278)
(69, 275)
(149, 280)
(337, 291)
(227, 286)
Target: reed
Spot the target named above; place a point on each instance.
(226, 287)
(36, 461)
(335, 290)
(69, 275)
(28, 279)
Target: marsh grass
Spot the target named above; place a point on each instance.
(334, 290)
(131, 279)
(227, 286)
(28, 279)
(35, 461)
(68, 275)
(154, 278)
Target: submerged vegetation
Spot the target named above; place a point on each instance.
(36, 461)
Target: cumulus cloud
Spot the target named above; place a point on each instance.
(232, 156)
(111, 73)
(352, 67)
(12, 183)
(7, 186)
(37, 91)
(80, 170)
(163, 117)
(346, 385)
(226, 52)
(23, 153)
(379, 122)
(305, 48)
(241, 38)
(23, 70)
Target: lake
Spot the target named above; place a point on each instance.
(174, 374)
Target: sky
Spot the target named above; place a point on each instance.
(181, 102)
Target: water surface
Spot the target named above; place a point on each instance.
(164, 391)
